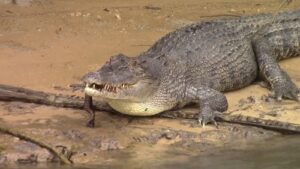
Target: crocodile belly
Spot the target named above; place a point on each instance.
(139, 109)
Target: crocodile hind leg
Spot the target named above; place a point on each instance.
(267, 53)
(88, 106)
(211, 103)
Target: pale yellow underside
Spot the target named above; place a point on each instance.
(146, 108)
(137, 108)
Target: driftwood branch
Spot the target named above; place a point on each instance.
(11, 93)
(284, 127)
(60, 156)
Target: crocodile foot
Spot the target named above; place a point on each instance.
(208, 115)
(286, 89)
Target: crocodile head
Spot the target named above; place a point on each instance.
(121, 78)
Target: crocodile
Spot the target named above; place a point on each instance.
(197, 63)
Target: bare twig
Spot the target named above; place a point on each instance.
(12, 93)
(238, 119)
(62, 158)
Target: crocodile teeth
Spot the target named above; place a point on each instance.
(107, 87)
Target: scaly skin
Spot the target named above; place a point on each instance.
(198, 62)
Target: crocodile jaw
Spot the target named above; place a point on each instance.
(147, 108)
(91, 92)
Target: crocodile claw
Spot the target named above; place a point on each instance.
(286, 89)
(207, 116)
(291, 94)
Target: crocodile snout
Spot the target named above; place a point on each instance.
(90, 78)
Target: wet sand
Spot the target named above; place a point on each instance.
(49, 45)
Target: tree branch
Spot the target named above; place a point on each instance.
(11, 93)
(59, 155)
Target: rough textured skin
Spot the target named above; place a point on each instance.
(198, 62)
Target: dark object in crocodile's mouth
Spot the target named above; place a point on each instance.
(107, 87)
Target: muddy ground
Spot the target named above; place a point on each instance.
(49, 44)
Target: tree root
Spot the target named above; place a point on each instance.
(60, 156)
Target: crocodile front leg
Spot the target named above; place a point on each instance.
(279, 80)
(211, 103)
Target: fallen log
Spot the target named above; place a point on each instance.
(12, 93)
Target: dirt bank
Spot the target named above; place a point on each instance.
(48, 45)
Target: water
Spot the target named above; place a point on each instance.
(278, 153)
(281, 153)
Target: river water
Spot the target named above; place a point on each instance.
(276, 153)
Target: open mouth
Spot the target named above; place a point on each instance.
(107, 87)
